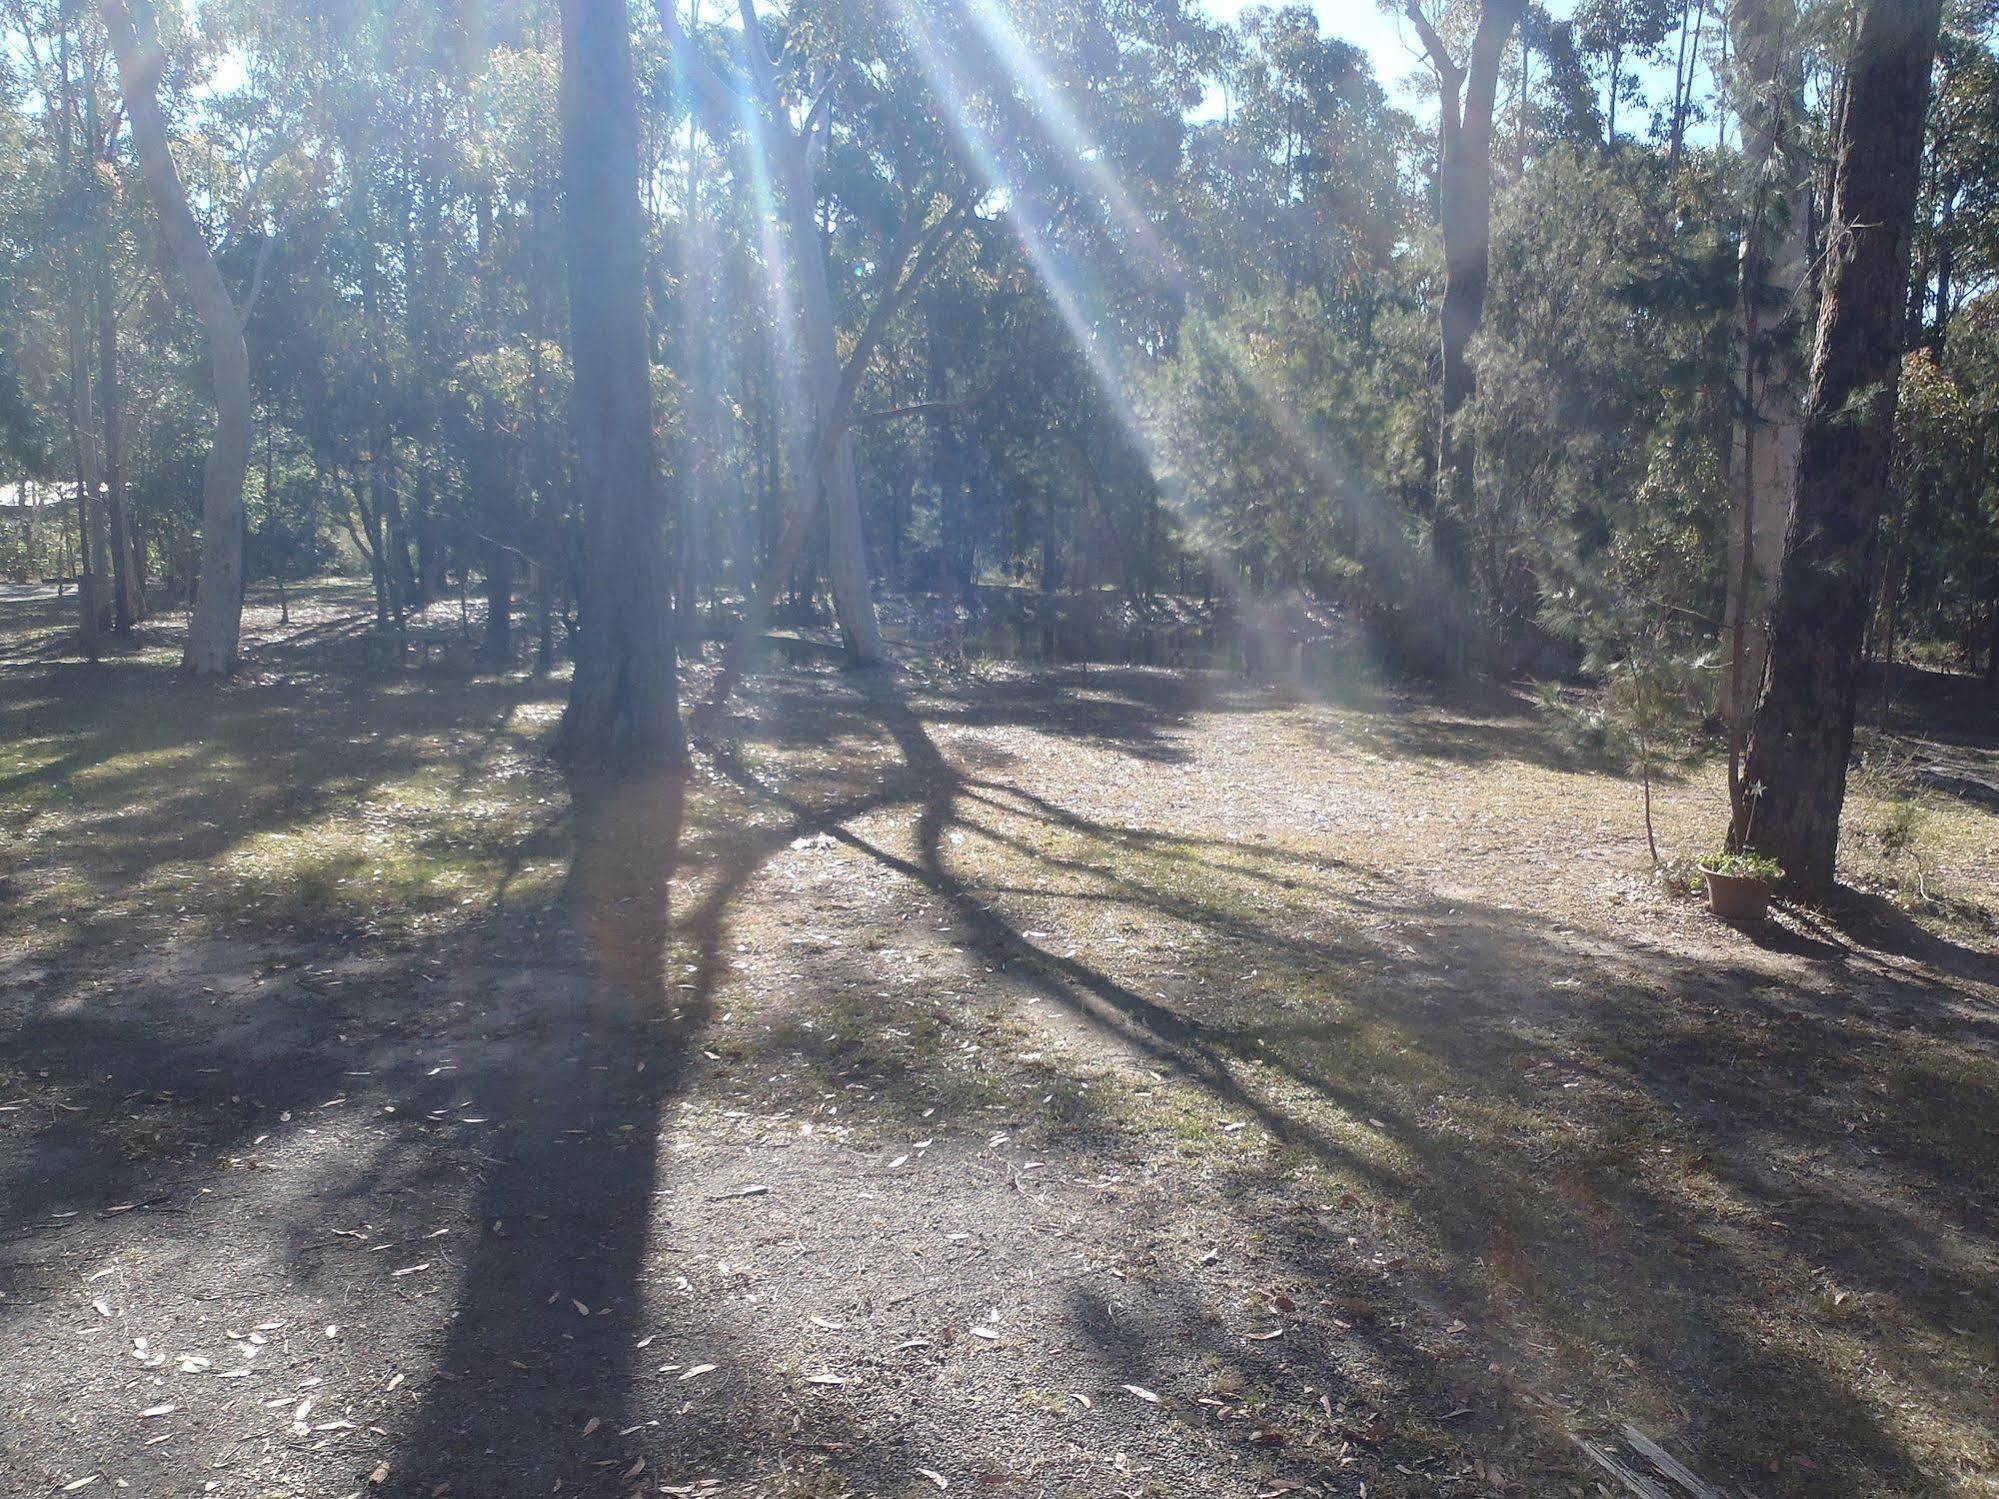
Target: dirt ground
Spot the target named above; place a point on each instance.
(987, 1080)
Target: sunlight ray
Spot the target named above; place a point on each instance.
(1071, 291)
(1083, 160)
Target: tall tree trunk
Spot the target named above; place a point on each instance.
(93, 613)
(1676, 127)
(1464, 203)
(128, 597)
(624, 712)
(1774, 261)
(1802, 736)
(93, 556)
(846, 541)
(214, 631)
(499, 643)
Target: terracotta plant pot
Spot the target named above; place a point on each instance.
(1737, 898)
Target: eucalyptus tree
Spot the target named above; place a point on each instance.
(1801, 738)
(63, 62)
(1625, 35)
(624, 708)
(1468, 85)
(214, 631)
(1301, 177)
(789, 113)
(1769, 44)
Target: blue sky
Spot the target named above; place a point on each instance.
(1392, 44)
(1358, 21)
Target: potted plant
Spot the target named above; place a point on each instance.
(1739, 885)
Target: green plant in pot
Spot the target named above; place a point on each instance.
(1739, 885)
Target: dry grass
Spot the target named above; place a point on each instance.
(1378, 994)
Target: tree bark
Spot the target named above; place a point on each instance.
(1774, 261)
(499, 642)
(1802, 736)
(128, 598)
(216, 627)
(623, 713)
(93, 556)
(846, 540)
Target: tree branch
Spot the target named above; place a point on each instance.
(1440, 55)
(763, 71)
(264, 252)
(708, 83)
(923, 408)
(821, 113)
(926, 248)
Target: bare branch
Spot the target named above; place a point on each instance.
(710, 85)
(763, 70)
(264, 253)
(926, 248)
(1440, 55)
(924, 408)
(818, 126)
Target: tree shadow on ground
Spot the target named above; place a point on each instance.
(541, 1334)
(1653, 1241)
(1551, 1224)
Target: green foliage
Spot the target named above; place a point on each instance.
(1744, 866)
(1185, 340)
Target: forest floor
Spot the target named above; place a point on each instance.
(991, 1080)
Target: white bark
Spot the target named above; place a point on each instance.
(1775, 261)
(846, 542)
(793, 154)
(218, 611)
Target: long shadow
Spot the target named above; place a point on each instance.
(549, 1303)
(1489, 1201)
(564, 1201)
(543, 1371)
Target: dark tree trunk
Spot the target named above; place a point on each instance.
(499, 645)
(127, 602)
(624, 711)
(1802, 734)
